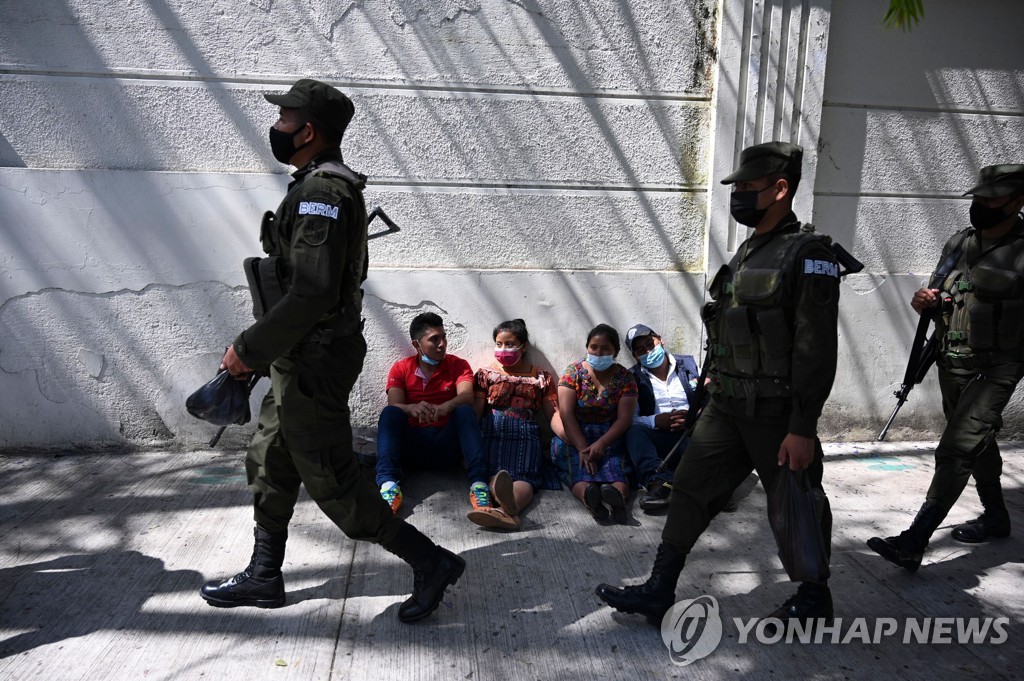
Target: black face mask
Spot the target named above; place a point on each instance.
(282, 144)
(983, 217)
(743, 206)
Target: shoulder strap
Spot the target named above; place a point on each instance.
(339, 169)
(949, 262)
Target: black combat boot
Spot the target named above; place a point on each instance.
(261, 584)
(907, 548)
(654, 597)
(810, 602)
(656, 498)
(434, 569)
(994, 523)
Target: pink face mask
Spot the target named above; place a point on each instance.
(507, 357)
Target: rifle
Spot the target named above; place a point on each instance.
(377, 212)
(921, 359)
(922, 352)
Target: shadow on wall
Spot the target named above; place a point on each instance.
(96, 361)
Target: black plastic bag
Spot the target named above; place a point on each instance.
(795, 517)
(223, 400)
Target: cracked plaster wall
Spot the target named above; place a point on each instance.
(531, 150)
(545, 158)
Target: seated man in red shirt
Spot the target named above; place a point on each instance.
(430, 423)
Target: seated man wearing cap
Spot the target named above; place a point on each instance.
(666, 384)
(979, 320)
(308, 338)
(773, 328)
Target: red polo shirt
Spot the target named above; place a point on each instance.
(438, 389)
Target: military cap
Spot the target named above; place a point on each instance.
(325, 104)
(637, 331)
(764, 159)
(999, 180)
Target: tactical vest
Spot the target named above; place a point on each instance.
(273, 275)
(750, 323)
(982, 304)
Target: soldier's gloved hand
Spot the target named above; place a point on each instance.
(925, 299)
(797, 450)
(234, 364)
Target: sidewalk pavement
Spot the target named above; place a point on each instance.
(101, 557)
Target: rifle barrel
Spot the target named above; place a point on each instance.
(892, 417)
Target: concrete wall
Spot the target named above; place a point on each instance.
(545, 159)
(907, 121)
(548, 159)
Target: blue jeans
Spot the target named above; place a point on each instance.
(433, 448)
(647, 447)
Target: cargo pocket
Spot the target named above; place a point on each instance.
(996, 284)
(776, 342)
(1011, 325)
(762, 288)
(982, 326)
(740, 340)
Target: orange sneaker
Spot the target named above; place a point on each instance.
(393, 496)
(479, 496)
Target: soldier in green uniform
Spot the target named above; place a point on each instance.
(309, 341)
(772, 326)
(979, 318)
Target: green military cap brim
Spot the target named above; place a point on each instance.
(999, 180)
(325, 103)
(764, 159)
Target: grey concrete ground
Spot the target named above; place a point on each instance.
(101, 557)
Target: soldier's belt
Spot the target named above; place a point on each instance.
(979, 360)
(325, 336)
(738, 388)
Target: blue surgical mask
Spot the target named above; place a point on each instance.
(428, 360)
(655, 358)
(600, 362)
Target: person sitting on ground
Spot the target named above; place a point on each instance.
(510, 393)
(666, 389)
(666, 385)
(596, 397)
(429, 422)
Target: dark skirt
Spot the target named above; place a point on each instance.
(512, 444)
(567, 458)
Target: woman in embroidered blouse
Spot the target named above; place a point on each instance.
(509, 395)
(596, 397)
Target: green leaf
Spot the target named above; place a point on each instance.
(903, 14)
